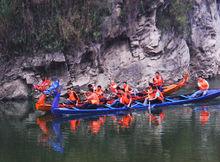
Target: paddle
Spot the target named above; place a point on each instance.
(149, 108)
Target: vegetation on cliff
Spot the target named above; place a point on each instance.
(30, 26)
(49, 25)
(174, 16)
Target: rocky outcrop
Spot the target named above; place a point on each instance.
(205, 37)
(14, 90)
(22, 72)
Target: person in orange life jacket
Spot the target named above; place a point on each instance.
(72, 97)
(203, 86)
(158, 81)
(126, 87)
(154, 95)
(90, 86)
(113, 87)
(92, 100)
(99, 91)
(124, 98)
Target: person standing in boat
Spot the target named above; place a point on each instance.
(154, 95)
(203, 86)
(158, 81)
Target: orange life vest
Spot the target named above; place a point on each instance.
(72, 96)
(203, 85)
(99, 92)
(113, 87)
(125, 99)
(158, 81)
(93, 99)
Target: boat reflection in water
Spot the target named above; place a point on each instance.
(126, 121)
(156, 117)
(51, 138)
(204, 114)
(74, 124)
(51, 131)
(95, 125)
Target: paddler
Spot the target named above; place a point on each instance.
(99, 91)
(154, 95)
(92, 100)
(126, 87)
(158, 81)
(72, 97)
(203, 86)
(125, 99)
(113, 87)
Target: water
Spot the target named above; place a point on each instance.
(181, 133)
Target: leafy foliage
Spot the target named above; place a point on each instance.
(49, 25)
(173, 15)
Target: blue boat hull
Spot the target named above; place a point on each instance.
(182, 99)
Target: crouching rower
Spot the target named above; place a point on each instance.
(92, 100)
(154, 95)
(203, 87)
(124, 99)
(73, 98)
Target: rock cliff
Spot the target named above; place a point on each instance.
(132, 49)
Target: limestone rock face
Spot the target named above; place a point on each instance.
(14, 90)
(205, 48)
(22, 72)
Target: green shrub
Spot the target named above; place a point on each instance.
(173, 15)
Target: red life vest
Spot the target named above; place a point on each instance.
(158, 81)
(125, 99)
(72, 96)
(203, 85)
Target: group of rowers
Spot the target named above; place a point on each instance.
(95, 96)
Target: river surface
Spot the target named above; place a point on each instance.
(188, 133)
